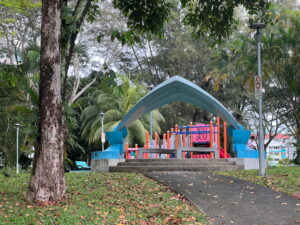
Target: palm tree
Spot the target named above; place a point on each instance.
(115, 103)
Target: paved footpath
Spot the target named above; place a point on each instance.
(228, 200)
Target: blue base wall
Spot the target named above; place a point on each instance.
(115, 150)
(240, 139)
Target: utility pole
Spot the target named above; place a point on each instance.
(102, 130)
(17, 125)
(258, 86)
(151, 129)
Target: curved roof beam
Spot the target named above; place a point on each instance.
(177, 89)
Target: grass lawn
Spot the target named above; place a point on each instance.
(98, 198)
(284, 179)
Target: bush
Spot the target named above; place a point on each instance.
(285, 161)
(25, 161)
(297, 159)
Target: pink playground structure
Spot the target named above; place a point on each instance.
(187, 138)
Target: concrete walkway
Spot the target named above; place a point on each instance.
(228, 200)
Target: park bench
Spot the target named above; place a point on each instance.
(81, 165)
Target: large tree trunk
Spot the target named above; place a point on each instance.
(47, 181)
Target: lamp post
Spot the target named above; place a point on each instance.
(102, 130)
(151, 121)
(151, 130)
(17, 125)
(262, 169)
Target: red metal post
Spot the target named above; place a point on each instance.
(191, 138)
(156, 143)
(219, 136)
(225, 139)
(147, 144)
(136, 151)
(126, 151)
(211, 142)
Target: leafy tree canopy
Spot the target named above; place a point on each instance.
(21, 6)
(212, 19)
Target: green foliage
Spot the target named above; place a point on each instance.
(297, 159)
(234, 66)
(115, 102)
(145, 16)
(285, 162)
(19, 104)
(21, 6)
(213, 20)
(126, 37)
(102, 198)
(68, 25)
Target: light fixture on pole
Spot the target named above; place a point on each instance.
(17, 125)
(258, 86)
(290, 53)
(102, 130)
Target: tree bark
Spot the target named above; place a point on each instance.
(47, 181)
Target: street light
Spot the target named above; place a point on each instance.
(262, 169)
(290, 52)
(17, 125)
(151, 120)
(151, 128)
(102, 130)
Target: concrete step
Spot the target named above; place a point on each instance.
(143, 169)
(180, 163)
(190, 160)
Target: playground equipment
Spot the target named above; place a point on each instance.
(179, 89)
(196, 141)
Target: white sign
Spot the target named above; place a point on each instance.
(102, 137)
(258, 86)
